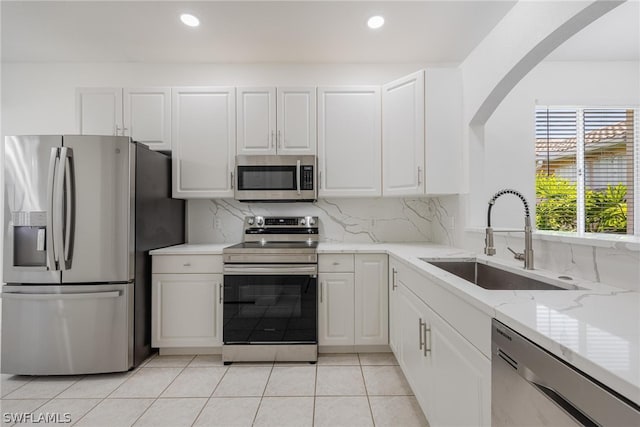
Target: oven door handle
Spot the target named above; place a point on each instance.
(267, 269)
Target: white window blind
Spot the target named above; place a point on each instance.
(586, 170)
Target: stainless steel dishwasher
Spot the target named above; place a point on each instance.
(531, 387)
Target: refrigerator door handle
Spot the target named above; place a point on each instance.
(70, 208)
(58, 211)
(52, 262)
(41, 297)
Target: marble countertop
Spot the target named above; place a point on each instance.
(192, 249)
(596, 328)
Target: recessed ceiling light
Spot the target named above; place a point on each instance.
(189, 20)
(375, 22)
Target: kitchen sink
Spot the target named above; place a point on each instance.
(489, 277)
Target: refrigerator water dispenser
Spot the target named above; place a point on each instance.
(29, 236)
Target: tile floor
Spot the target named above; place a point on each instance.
(340, 390)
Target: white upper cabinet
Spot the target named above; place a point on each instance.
(256, 120)
(276, 121)
(349, 141)
(99, 111)
(422, 133)
(403, 136)
(144, 114)
(203, 142)
(443, 137)
(147, 116)
(296, 113)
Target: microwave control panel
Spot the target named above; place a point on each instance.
(307, 178)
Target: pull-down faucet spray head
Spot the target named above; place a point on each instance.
(490, 250)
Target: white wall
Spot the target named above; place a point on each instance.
(508, 161)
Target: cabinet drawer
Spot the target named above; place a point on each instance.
(187, 264)
(336, 263)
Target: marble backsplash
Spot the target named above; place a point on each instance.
(341, 220)
(418, 220)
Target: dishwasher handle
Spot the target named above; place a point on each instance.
(559, 400)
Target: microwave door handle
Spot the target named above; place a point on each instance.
(298, 176)
(50, 246)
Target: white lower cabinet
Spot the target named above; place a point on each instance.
(371, 300)
(352, 300)
(335, 309)
(186, 304)
(450, 378)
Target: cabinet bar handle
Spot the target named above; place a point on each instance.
(321, 286)
(271, 143)
(220, 292)
(232, 180)
(419, 175)
(279, 140)
(320, 179)
(427, 343)
(420, 334)
(394, 276)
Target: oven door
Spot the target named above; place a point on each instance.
(267, 305)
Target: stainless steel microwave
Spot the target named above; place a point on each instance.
(275, 179)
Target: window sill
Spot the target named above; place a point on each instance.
(630, 243)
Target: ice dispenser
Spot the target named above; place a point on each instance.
(29, 239)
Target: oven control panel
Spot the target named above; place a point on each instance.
(279, 222)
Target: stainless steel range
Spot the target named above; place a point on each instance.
(270, 291)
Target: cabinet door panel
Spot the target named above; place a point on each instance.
(256, 120)
(186, 310)
(296, 117)
(99, 111)
(147, 116)
(394, 313)
(371, 300)
(349, 141)
(335, 309)
(403, 136)
(204, 142)
(416, 367)
(461, 379)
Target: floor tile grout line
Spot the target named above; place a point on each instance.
(366, 390)
(31, 378)
(255, 416)
(47, 400)
(315, 395)
(163, 390)
(224, 374)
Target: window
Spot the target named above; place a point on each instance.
(587, 170)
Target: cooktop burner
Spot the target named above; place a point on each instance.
(308, 244)
(276, 240)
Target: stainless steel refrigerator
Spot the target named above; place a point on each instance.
(80, 216)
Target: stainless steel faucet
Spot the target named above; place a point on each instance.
(489, 249)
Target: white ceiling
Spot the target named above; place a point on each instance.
(240, 31)
(283, 31)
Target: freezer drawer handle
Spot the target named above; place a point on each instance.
(49, 297)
